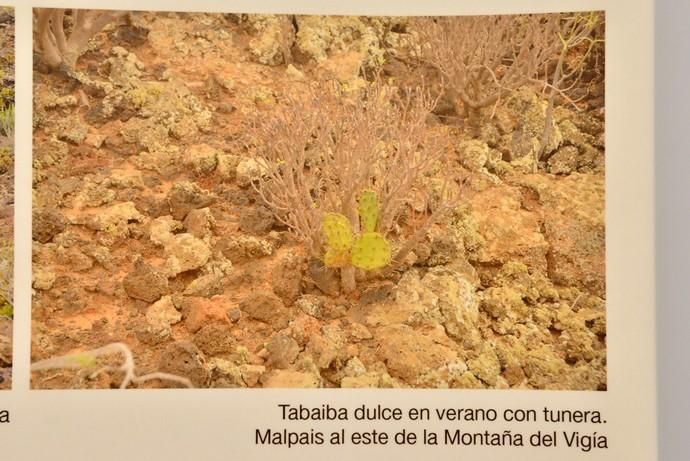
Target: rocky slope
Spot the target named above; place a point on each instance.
(6, 192)
(147, 229)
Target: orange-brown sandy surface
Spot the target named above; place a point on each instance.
(147, 230)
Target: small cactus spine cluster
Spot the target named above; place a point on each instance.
(368, 251)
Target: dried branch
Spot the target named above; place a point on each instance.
(87, 358)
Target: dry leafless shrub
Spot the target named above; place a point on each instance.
(323, 147)
(482, 58)
(63, 37)
(578, 34)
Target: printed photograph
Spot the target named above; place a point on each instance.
(6, 193)
(249, 201)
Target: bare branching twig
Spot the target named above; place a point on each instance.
(88, 358)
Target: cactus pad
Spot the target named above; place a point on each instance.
(338, 231)
(371, 251)
(368, 210)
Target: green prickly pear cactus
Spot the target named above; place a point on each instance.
(338, 231)
(368, 251)
(371, 251)
(368, 208)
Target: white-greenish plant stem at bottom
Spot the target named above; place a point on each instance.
(127, 366)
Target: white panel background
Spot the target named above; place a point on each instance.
(218, 424)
